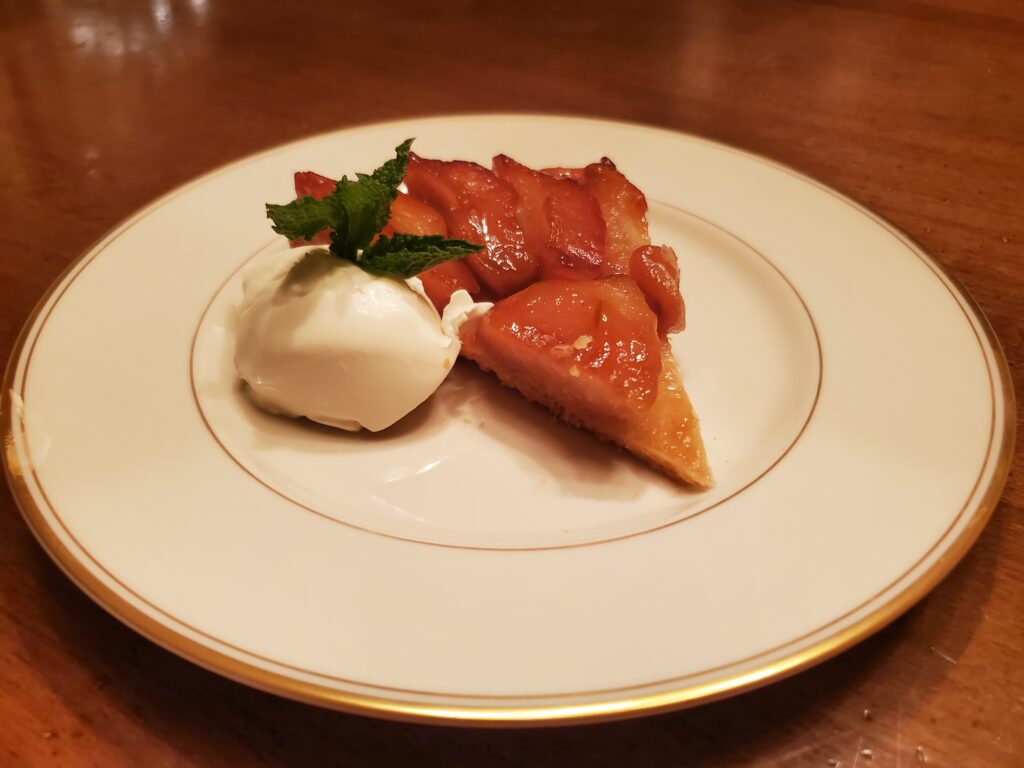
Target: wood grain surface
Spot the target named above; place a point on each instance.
(914, 108)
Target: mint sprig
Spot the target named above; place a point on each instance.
(364, 206)
(357, 211)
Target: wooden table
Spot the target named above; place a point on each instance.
(914, 108)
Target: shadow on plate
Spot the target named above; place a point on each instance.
(542, 445)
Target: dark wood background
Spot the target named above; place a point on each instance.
(914, 108)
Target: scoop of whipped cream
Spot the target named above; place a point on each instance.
(321, 338)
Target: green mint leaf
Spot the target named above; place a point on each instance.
(304, 217)
(356, 211)
(393, 171)
(409, 255)
(367, 206)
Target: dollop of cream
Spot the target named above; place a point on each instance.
(321, 338)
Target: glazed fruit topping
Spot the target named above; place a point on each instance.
(591, 346)
(480, 208)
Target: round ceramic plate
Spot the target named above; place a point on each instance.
(480, 561)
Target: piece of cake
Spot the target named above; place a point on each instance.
(583, 302)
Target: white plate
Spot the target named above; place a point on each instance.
(481, 561)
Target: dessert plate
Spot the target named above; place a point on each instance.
(481, 561)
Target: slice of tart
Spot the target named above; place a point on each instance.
(590, 352)
(583, 302)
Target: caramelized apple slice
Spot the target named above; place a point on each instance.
(445, 279)
(308, 183)
(624, 209)
(577, 233)
(414, 217)
(561, 222)
(587, 350)
(480, 208)
(654, 268)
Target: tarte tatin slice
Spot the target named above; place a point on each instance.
(583, 302)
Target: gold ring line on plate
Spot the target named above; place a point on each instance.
(692, 515)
